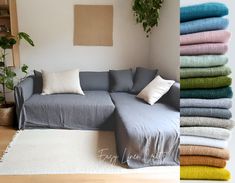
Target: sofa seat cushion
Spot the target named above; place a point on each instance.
(71, 111)
(146, 135)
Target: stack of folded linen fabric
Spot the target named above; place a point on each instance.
(205, 92)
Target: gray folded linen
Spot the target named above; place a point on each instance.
(210, 132)
(206, 122)
(206, 112)
(224, 103)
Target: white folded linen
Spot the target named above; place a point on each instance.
(203, 141)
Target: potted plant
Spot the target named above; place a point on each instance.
(7, 76)
(147, 13)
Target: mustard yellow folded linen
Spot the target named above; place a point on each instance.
(203, 173)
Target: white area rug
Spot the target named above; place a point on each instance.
(69, 152)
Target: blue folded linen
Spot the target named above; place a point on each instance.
(206, 112)
(205, 10)
(206, 24)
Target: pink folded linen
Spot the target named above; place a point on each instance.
(219, 36)
(204, 49)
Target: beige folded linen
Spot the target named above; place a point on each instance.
(204, 151)
(202, 160)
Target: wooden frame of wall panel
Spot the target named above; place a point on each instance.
(11, 5)
(14, 32)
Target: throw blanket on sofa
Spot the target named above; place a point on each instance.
(210, 132)
(204, 10)
(218, 36)
(204, 72)
(210, 82)
(201, 25)
(204, 151)
(202, 160)
(207, 122)
(206, 112)
(203, 61)
(204, 173)
(203, 141)
(224, 103)
(204, 49)
(207, 93)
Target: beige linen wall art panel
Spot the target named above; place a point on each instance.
(93, 25)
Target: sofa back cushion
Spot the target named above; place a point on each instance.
(94, 81)
(121, 80)
(142, 78)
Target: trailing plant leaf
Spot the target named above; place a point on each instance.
(147, 13)
(26, 37)
(24, 69)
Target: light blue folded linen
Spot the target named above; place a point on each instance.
(207, 24)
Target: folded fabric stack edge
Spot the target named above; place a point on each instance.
(204, 173)
(205, 97)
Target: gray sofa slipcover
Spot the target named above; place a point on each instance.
(145, 135)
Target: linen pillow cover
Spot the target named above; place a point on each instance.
(155, 90)
(61, 82)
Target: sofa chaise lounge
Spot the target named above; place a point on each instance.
(145, 135)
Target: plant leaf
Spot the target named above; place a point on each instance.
(24, 69)
(26, 37)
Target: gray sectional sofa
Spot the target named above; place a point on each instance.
(145, 135)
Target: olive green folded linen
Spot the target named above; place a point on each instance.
(204, 173)
(204, 72)
(210, 82)
(207, 93)
(203, 61)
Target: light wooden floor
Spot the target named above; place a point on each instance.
(6, 135)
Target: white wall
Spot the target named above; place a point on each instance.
(231, 55)
(50, 24)
(164, 53)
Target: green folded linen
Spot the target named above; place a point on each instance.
(207, 93)
(204, 173)
(203, 61)
(213, 82)
(204, 72)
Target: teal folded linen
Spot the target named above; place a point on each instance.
(204, 72)
(207, 93)
(223, 103)
(201, 25)
(206, 112)
(208, 82)
(203, 61)
(205, 10)
(206, 122)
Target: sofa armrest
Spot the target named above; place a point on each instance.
(172, 98)
(23, 91)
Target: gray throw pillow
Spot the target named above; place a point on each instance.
(142, 78)
(120, 80)
(38, 82)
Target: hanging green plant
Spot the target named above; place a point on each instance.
(147, 13)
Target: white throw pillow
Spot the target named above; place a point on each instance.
(61, 82)
(155, 90)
